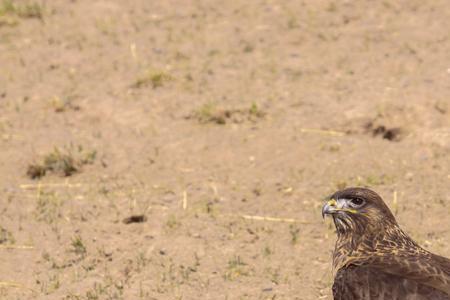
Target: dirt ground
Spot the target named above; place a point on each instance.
(220, 126)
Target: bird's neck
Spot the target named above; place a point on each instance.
(353, 247)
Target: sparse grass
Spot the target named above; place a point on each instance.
(210, 208)
(255, 112)
(236, 268)
(141, 262)
(106, 26)
(7, 7)
(248, 48)
(257, 191)
(78, 247)
(330, 148)
(109, 289)
(8, 21)
(273, 274)
(332, 7)
(48, 207)
(267, 251)
(210, 113)
(155, 79)
(441, 106)
(50, 285)
(60, 162)
(206, 206)
(294, 231)
(36, 171)
(172, 275)
(62, 105)
(6, 237)
(172, 223)
(25, 10)
(292, 21)
(63, 162)
(186, 271)
(30, 10)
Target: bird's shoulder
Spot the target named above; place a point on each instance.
(397, 254)
(358, 282)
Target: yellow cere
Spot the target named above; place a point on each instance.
(332, 202)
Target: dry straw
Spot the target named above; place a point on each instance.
(322, 131)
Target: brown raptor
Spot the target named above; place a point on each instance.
(375, 259)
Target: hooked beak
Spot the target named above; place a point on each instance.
(329, 208)
(333, 207)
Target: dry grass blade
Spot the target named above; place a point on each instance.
(15, 285)
(395, 202)
(322, 131)
(184, 200)
(43, 185)
(16, 247)
(270, 219)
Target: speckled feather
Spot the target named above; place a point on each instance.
(376, 260)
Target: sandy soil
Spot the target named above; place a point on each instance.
(223, 123)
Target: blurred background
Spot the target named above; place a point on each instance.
(182, 149)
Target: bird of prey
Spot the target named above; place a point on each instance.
(375, 259)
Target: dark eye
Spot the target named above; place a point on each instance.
(357, 201)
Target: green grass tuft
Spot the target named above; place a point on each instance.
(26, 10)
(153, 79)
(64, 162)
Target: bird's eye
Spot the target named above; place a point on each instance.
(357, 201)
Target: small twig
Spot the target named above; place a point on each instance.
(185, 200)
(16, 247)
(322, 131)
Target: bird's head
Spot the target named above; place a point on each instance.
(354, 209)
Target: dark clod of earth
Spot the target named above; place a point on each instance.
(391, 134)
(135, 219)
